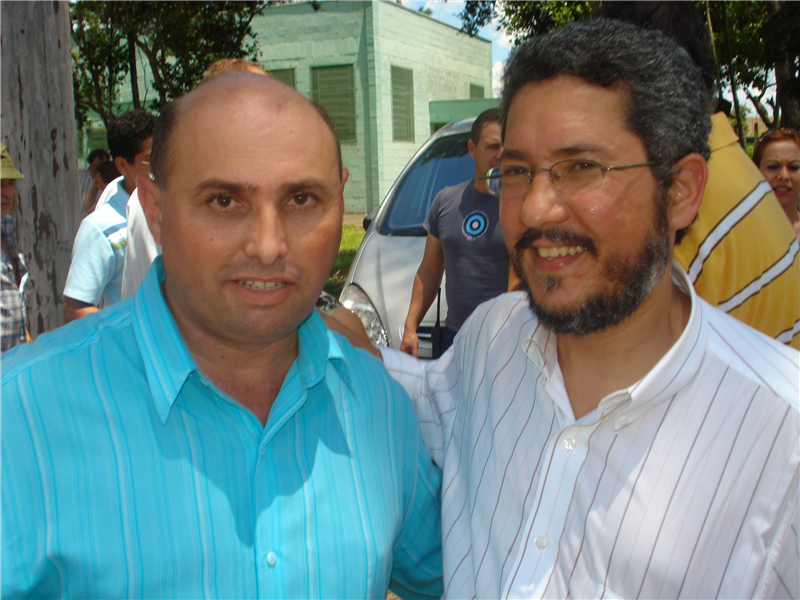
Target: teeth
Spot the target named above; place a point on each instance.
(560, 251)
(262, 286)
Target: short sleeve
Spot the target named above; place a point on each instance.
(431, 223)
(434, 388)
(93, 265)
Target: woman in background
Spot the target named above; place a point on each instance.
(777, 155)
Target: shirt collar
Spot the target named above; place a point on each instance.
(722, 134)
(318, 346)
(167, 360)
(665, 379)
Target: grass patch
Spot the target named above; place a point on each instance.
(351, 238)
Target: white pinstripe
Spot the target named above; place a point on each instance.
(684, 485)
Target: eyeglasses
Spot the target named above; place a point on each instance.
(570, 176)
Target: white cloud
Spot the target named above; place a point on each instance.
(499, 35)
(498, 68)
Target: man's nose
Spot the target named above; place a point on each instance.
(266, 236)
(542, 203)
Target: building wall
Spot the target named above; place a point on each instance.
(444, 62)
(296, 36)
(374, 36)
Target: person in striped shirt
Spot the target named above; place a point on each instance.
(210, 437)
(609, 434)
(740, 253)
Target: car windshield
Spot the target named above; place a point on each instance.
(445, 162)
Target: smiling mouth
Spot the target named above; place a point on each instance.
(560, 251)
(262, 286)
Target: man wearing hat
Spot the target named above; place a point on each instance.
(13, 314)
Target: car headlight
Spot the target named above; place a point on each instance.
(353, 298)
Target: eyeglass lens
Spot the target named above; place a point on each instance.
(570, 176)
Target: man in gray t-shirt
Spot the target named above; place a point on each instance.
(464, 239)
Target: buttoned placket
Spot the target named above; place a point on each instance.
(567, 452)
(268, 554)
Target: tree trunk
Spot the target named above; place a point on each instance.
(789, 104)
(38, 127)
(134, 74)
(734, 87)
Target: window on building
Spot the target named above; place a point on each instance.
(284, 76)
(475, 91)
(333, 89)
(403, 104)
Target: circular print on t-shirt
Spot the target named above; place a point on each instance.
(475, 225)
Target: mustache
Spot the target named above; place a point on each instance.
(562, 237)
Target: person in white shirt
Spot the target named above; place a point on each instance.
(609, 434)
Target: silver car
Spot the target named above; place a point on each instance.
(378, 286)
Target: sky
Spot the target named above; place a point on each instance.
(448, 12)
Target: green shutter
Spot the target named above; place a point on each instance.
(475, 91)
(284, 76)
(333, 89)
(403, 104)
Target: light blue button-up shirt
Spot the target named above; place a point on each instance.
(98, 252)
(125, 472)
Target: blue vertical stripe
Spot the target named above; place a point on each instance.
(126, 473)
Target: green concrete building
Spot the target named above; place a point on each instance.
(376, 67)
(387, 75)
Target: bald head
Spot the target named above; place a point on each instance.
(222, 96)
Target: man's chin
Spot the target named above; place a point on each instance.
(585, 318)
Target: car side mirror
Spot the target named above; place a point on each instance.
(368, 220)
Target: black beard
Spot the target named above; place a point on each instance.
(634, 280)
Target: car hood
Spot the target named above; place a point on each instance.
(385, 268)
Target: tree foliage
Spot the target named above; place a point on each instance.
(99, 60)
(177, 40)
(763, 38)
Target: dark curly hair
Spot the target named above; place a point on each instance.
(127, 132)
(667, 99)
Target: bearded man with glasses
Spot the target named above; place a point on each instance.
(608, 433)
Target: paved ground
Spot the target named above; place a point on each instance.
(354, 218)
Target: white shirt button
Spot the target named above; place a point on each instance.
(570, 443)
(540, 541)
(272, 559)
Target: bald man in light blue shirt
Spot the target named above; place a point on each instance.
(210, 437)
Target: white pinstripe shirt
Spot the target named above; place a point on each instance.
(684, 485)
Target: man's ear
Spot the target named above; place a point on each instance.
(122, 165)
(471, 148)
(686, 192)
(151, 198)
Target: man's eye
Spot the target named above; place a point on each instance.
(301, 199)
(222, 201)
(513, 171)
